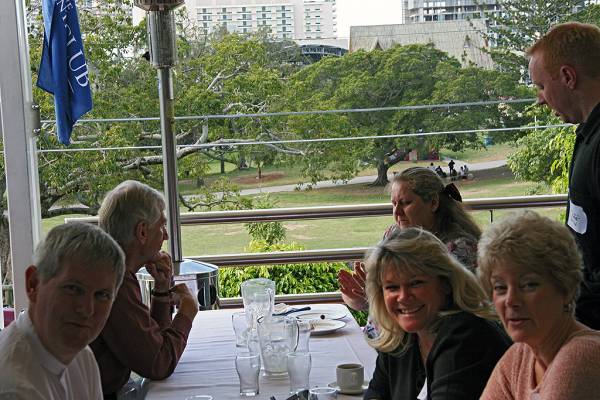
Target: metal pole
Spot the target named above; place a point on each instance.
(165, 91)
(17, 124)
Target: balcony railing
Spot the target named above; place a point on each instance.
(346, 211)
(305, 256)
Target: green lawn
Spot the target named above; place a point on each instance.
(337, 233)
(490, 153)
(284, 175)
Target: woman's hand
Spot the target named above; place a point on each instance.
(352, 286)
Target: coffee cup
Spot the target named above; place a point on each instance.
(350, 377)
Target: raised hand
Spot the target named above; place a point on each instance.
(352, 286)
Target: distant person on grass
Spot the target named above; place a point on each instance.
(564, 65)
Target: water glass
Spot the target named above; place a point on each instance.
(260, 306)
(298, 367)
(240, 328)
(247, 366)
(304, 330)
(322, 393)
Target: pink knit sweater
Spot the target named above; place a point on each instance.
(574, 374)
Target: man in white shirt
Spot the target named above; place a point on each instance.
(44, 353)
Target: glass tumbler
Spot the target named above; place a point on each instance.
(322, 393)
(247, 366)
(298, 366)
(240, 328)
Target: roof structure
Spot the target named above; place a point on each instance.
(460, 39)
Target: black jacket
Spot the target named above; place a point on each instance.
(463, 355)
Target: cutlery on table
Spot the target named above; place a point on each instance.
(292, 310)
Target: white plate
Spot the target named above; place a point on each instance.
(324, 326)
(347, 391)
(317, 311)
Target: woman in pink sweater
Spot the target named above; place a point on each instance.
(531, 267)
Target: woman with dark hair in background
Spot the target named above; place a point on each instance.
(420, 199)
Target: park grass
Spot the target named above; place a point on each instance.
(289, 175)
(342, 232)
(489, 153)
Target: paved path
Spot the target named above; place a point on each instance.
(366, 179)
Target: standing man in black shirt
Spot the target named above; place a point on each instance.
(565, 66)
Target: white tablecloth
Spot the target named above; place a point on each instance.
(207, 365)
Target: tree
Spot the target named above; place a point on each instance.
(400, 76)
(519, 25)
(542, 155)
(216, 74)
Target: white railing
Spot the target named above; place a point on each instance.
(344, 254)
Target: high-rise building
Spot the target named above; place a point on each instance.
(284, 19)
(446, 10)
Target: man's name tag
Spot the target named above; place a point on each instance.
(577, 218)
(423, 394)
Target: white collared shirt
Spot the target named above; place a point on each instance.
(30, 372)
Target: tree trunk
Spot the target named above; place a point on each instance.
(259, 172)
(382, 179)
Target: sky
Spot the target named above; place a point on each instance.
(366, 12)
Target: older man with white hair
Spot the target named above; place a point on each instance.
(147, 341)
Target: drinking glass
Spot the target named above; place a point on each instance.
(298, 366)
(240, 328)
(304, 329)
(322, 393)
(247, 366)
(260, 306)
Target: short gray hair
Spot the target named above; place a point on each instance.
(415, 250)
(532, 243)
(128, 204)
(78, 241)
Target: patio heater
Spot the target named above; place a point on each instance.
(200, 277)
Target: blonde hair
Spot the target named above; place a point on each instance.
(414, 250)
(532, 243)
(451, 220)
(571, 43)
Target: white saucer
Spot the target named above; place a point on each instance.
(347, 391)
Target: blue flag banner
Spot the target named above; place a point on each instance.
(63, 70)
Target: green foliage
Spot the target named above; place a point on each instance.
(519, 25)
(399, 76)
(544, 154)
(269, 233)
(289, 278)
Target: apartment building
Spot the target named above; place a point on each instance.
(284, 19)
(446, 10)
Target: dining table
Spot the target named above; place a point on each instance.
(207, 366)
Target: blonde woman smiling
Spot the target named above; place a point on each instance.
(438, 338)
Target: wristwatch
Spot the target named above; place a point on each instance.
(160, 294)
